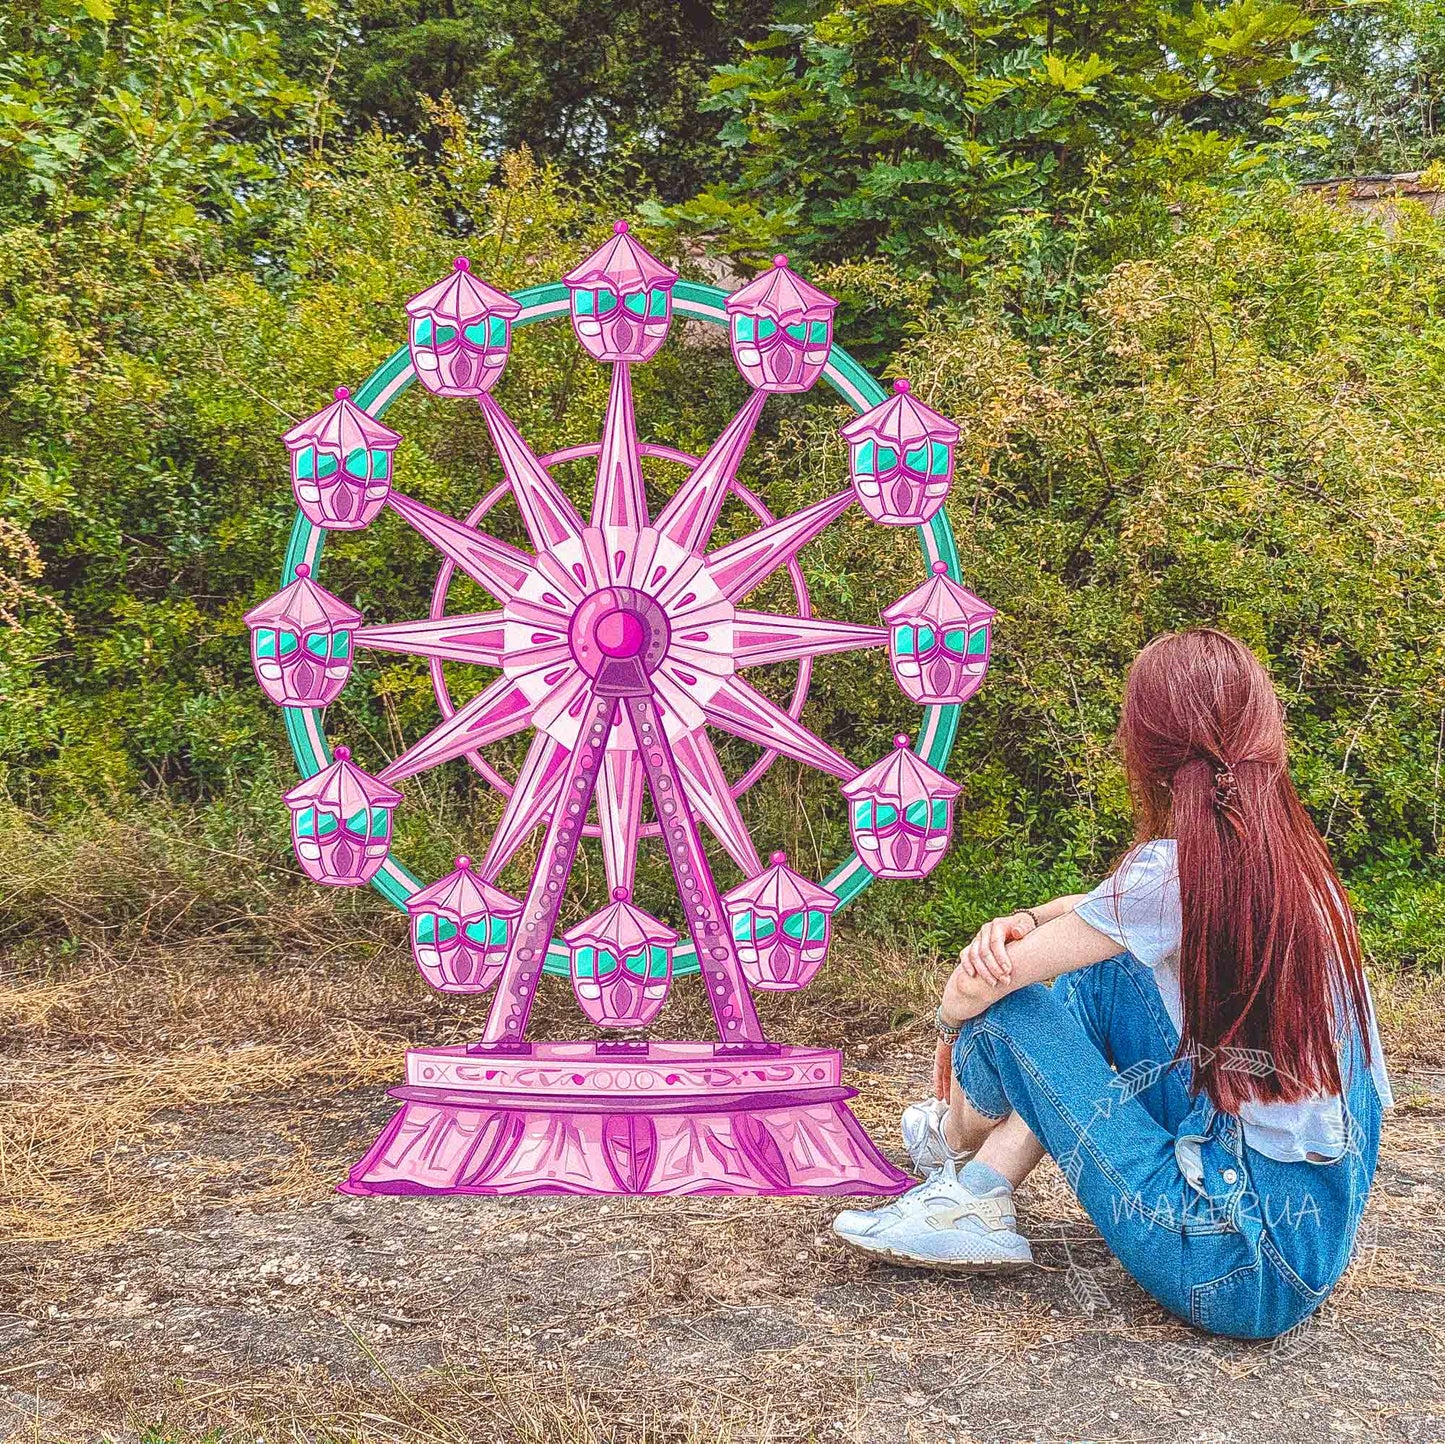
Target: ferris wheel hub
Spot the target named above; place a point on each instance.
(621, 633)
(619, 624)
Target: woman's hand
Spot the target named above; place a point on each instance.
(986, 957)
(984, 972)
(943, 1069)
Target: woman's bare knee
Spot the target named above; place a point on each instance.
(965, 1127)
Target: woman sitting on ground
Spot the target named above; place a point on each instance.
(1213, 1091)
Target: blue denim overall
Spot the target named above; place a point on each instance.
(1226, 1238)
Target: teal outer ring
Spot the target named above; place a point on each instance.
(939, 726)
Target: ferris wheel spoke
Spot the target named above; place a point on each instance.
(760, 638)
(619, 811)
(688, 519)
(478, 638)
(710, 794)
(533, 796)
(740, 566)
(737, 708)
(501, 569)
(619, 501)
(501, 710)
(549, 517)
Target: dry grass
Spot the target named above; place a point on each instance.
(100, 1058)
(149, 976)
(461, 1402)
(1411, 1009)
(103, 1059)
(146, 982)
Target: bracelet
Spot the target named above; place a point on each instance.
(947, 1031)
(1032, 916)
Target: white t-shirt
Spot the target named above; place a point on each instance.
(1138, 907)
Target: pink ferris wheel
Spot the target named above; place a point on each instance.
(621, 643)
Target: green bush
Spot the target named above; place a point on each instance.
(1244, 431)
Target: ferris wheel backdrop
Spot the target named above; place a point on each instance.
(620, 646)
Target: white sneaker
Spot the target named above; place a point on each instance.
(922, 1129)
(941, 1224)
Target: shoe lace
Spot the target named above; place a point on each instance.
(946, 1172)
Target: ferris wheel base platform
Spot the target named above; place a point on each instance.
(650, 1119)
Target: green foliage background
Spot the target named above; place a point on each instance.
(1189, 391)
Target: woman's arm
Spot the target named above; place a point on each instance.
(1047, 912)
(1061, 945)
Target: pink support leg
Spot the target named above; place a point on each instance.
(727, 989)
(507, 1021)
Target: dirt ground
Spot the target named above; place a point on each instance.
(177, 1267)
(554, 1319)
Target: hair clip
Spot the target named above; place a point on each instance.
(1224, 787)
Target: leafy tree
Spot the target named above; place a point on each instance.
(1382, 81)
(1243, 430)
(146, 117)
(1228, 412)
(912, 129)
(596, 89)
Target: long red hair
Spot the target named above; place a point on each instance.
(1269, 963)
